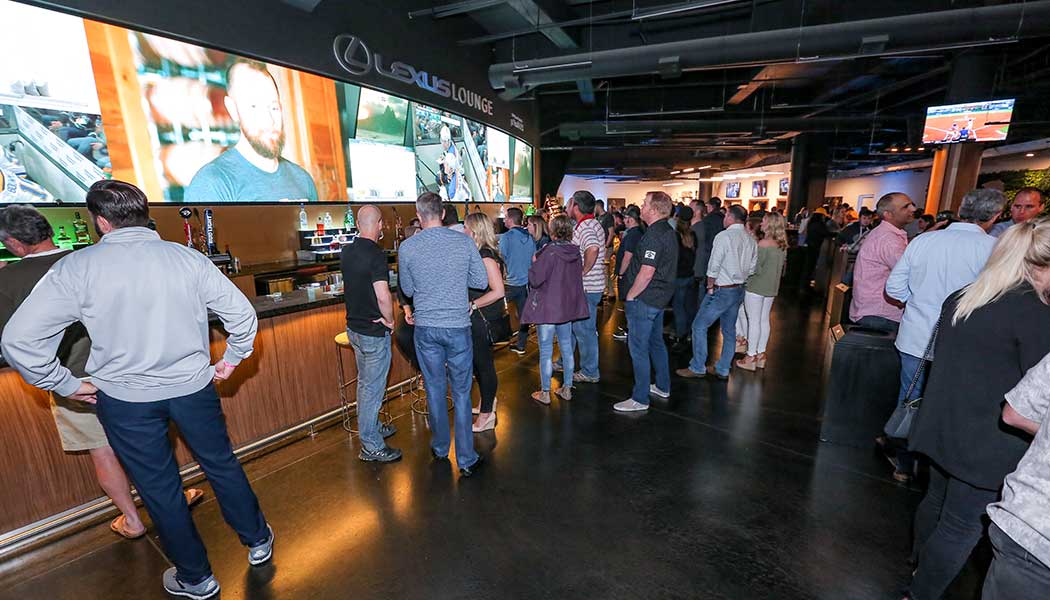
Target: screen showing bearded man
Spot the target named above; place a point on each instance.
(253, 170)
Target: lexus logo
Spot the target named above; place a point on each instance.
(352, 54)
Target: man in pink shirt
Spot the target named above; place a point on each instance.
(882, 248)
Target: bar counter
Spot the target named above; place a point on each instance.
(290, 378)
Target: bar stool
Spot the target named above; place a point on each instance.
(342, 342)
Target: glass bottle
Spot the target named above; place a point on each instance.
(320, 225)
(304, 221)
(348, 220)
(80, 230)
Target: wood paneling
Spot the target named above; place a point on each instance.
(36, 477)
(290, 378)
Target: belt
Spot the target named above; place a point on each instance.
(735, 285)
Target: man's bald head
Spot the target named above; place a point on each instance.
(370, 222)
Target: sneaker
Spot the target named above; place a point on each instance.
(518, 351)
(386, 430)
(564, 392)
(205, 589)
(581, 378)
(658, 392)
(620, 335)
(263, 552)
(629, 405)
(385, 454)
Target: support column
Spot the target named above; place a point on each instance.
(956, 167)
(810, 158)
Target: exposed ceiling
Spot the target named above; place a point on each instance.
(640, 88)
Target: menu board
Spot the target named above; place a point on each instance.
(213, 127)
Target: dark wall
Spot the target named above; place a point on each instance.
(275, 32)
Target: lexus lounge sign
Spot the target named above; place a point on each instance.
(357, 59)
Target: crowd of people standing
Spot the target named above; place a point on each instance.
(965, 297)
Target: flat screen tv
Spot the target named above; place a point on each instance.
(987, 121)
(733, 189)
(784, 183)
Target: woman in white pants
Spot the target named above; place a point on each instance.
(761, 290)
(754, 227)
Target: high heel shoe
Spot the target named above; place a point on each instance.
(542, 397)
(565, 392)
(741, 345)
(483, 424)
(760, 361)
(477, 409)
(748, 363)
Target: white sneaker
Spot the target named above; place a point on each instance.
(629, 405)
(658, 392)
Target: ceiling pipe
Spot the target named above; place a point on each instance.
(815, 43)
(599, 129)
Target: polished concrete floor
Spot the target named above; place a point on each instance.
(722, 491)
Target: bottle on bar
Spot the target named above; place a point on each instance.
(328, 219)
(62, 239)
(348, 220)
(320, 225)
(304, 221)
(80, 230)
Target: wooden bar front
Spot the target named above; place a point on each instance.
(290, 378)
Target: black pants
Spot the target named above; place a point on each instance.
(484, 364)
(518, 295)
(138, 433)
(1014, 572)
(948, 525)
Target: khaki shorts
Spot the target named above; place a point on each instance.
(78, 426)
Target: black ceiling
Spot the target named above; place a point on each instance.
(863, 99)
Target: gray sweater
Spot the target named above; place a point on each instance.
(435, 268)
(145, 305)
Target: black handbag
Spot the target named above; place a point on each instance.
(497, 322)
(900, 422)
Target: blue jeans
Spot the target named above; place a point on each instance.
(684, 305)
(585, 335)
(373, 365)
(721, 306)
(879, 324)
(518, 295)
(645, 341)
(138, 433)
(438, 349)
(546, 334)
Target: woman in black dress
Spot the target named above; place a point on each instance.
(991, 333)
(486, 307)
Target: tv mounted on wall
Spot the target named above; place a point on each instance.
(987, 121)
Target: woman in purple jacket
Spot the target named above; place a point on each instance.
(556, 299)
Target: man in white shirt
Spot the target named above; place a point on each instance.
(934, 266)
(733, 258)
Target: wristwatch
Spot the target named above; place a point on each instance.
(473, 306)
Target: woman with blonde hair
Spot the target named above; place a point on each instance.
(990, 333)
(762, 288)
(487, 308)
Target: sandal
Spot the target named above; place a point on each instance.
(760, 361)
(542, 397)
(747, 364)
(119, 526)
(565, 392)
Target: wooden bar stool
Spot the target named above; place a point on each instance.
(342, 342)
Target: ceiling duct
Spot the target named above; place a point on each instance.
(834, 41)
(599, 129)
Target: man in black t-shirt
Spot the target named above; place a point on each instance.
(369, 321)
(628, 244)
(651, 276)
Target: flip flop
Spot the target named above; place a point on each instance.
(119, 526)
(193, 496)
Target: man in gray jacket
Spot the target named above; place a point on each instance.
(145, 303)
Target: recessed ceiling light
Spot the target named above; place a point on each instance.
(908, 149)
(921, 148)
(689, 170)
(675, 172)
(1030, 154)
(673, 184)
(894, 149)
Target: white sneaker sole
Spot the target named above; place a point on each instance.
(181, 594)
(258, 561)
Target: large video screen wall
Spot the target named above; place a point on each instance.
(85, 101)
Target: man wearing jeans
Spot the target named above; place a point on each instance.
(436, 266)
(651, 281)
(369, 321)
(145, 304)
(934, 266)
(589, 236)
(734, 255)
(517, 247)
